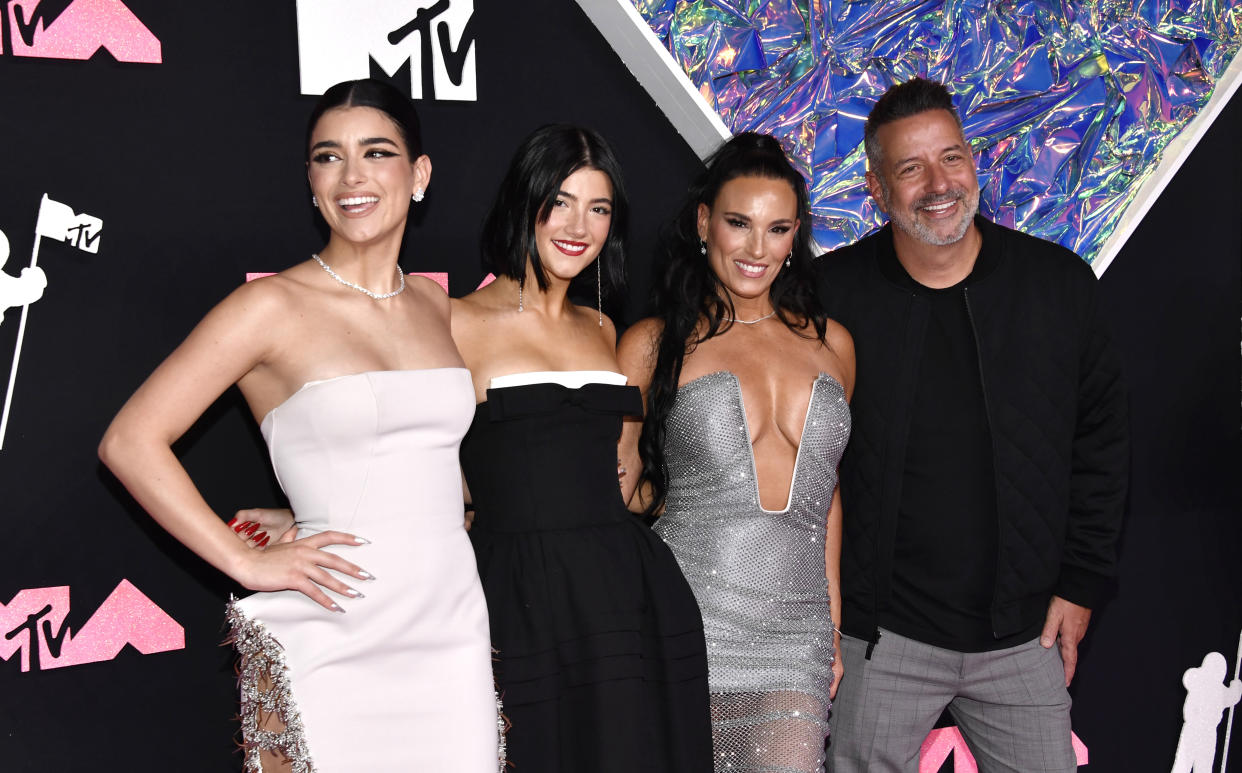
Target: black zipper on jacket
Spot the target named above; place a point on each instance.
(878, 581)
(987, 413)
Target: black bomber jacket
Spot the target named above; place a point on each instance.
(1056, 412)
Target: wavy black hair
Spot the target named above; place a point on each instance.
(528, 191)
(375, 94)
(692, 302)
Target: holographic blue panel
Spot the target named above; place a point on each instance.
(1068, 105)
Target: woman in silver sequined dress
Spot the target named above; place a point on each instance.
(746, 385)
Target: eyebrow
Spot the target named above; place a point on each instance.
(568, 195)
(364, 142)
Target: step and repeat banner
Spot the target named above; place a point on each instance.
(151, 158)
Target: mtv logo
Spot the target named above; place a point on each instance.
(339, 39)
(76, 30)
(32, 625)
(58, 221)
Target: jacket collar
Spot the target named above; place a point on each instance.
(990, 255)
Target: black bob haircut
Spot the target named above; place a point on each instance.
(528, 191)
(378, 95)
(917, 95)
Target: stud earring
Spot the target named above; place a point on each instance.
(314, 201)
(418, 195)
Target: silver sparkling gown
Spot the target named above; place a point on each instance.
(757, 574)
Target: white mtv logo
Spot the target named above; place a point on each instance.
(338, 39)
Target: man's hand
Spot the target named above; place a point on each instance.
(1066, 622)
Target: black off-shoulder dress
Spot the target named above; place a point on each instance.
(600, 658)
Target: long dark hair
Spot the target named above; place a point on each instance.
(692, 302)
(528, 191)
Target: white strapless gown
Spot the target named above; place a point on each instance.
(402, 681)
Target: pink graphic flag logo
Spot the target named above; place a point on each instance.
(78, 32)
(33, 625)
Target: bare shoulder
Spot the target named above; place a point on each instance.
(636, 353)
(469, 310)
(261, 302)
(641, 338)
(838, 338)
(596, 319)
(472, 318)
(242, 332)
(430, 292)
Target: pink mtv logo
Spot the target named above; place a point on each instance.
(948, 740)
(79, 31)
(33, 624)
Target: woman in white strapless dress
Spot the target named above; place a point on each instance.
(366, 647)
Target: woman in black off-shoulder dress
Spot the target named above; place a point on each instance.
(600, 654)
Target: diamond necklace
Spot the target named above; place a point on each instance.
(757, 320)
(360, 288)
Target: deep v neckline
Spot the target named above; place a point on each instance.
(754, 468)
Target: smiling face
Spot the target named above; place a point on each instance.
(577, 225)
(926, 182)
(749, 231)
(362, 175)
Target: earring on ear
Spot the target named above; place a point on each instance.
(789, 258)
(702, 247)
(314, 201)
(599, 292)
(418, 194)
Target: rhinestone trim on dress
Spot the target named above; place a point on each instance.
(261, 658)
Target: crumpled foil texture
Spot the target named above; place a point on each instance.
(1068, 105)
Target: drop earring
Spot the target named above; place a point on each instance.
(599, 292)
(702, 247)
(789, 258)
(314, 201)
(521, 282)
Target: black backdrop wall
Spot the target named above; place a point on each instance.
(195, 167)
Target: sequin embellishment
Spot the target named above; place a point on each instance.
(502, 727)
(260, 658)
(757, 574)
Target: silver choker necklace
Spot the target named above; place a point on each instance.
(755, 321)
(360, 288)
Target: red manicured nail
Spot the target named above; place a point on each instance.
(238, 528)
(259, 536)
(233, 521)
(251, 529)
(264, 542)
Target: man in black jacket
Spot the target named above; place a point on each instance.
(986, 477)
